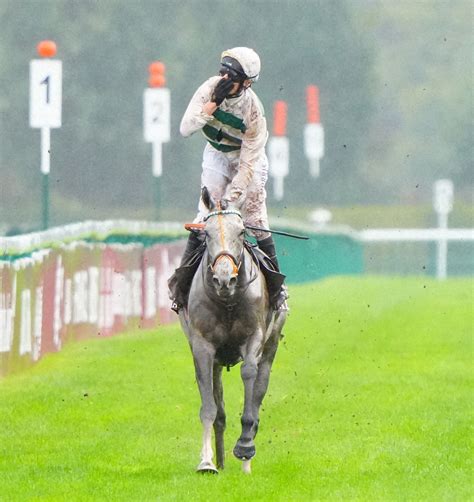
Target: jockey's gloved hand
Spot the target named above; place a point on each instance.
(222, 90)
(234, 194)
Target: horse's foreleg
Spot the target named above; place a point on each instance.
(245, 447)
(203, 354)
(263, 375)
(219, 423)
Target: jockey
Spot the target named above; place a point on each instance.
(235, 167)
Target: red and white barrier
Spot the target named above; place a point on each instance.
(78, 290)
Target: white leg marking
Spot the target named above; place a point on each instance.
(246, 466)
(206, 453)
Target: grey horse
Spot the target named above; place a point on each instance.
(228, 319)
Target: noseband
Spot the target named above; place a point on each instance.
(228, 256)
(224, 254)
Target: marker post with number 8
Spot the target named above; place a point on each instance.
(156, 120)
(45, 108)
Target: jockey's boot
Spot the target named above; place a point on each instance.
(179, 284)
(193, 243)
(267, 245)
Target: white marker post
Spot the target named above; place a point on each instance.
(313, 132)
(45, 108)
(443, 205)
(156, 121)
(278, 149)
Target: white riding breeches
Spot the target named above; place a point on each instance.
(218, 170)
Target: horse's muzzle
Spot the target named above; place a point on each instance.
(225, 272)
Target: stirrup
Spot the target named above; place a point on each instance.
(176, 307)
(284, 307)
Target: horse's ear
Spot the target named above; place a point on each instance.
(207, 199)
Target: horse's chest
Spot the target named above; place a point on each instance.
(226, 325)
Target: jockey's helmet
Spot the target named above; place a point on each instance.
(240, 63)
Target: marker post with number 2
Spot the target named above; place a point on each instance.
(45, 108)
(156, 121)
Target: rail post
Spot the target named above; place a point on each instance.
(45, 110)
(156, 122)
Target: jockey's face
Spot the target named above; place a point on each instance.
(235, 89)
(238, 85)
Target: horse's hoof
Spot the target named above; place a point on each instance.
(246, 468)
(244, 452)
(207, 468)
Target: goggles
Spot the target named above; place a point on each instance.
(232, 68)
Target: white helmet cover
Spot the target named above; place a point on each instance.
(248, 59)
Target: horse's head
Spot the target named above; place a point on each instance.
(225, 231)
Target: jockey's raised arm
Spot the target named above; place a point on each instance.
(195, 118)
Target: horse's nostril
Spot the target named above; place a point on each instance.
(232, 281)
(216, 281)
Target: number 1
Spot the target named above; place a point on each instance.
(46, 82)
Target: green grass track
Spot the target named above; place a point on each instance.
(370, 399)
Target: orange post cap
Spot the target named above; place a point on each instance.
(46, 48)
(157, 67)
(157, 74)
(157, 80)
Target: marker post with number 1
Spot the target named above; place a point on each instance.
(45, 109)
(156, 121)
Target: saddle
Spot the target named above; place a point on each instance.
(179, 283)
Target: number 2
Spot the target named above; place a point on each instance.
(157, 112)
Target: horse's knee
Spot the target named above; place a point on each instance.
(249, 371)
(208, 413)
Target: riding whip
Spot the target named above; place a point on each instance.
(279, 232)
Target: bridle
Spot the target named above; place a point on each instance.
(236, 262)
